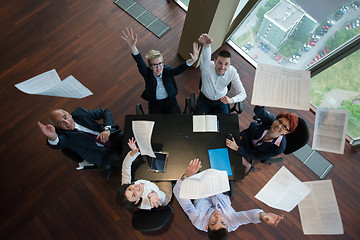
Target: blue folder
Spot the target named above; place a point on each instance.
(219, 159)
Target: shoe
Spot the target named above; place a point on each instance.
(252, 168)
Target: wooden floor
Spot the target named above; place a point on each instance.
(42, 195)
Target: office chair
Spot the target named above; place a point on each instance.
(190, 103)
(294, 141)
(139, 109)
(152, 220)
(75, 157)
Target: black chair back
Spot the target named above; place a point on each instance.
(152, 220)
(298, 138)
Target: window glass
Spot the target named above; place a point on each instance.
(298, 34)
(339, 87)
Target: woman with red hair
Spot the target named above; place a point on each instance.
(265, 140)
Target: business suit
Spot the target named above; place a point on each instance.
(255, 131)
(149, 94)
(81, 142)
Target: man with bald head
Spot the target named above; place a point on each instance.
(81, 133)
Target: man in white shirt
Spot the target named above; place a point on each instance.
(214, 214)
(215, 77)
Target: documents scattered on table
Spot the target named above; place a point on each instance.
(330, 130)
(219, 159)
(50, 84)
(142, 131)
(284, 191)
(205, 123)
(204, 184)
(319, 211)
(281, 87)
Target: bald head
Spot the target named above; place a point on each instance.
(61, 119)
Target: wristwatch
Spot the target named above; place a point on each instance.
(107, 128)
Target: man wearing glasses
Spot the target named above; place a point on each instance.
(160, 86)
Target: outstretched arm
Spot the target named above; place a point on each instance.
(126, 166)
(130, 39)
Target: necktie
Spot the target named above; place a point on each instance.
(94, 136)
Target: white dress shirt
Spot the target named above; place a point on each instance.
(148, 186)
(214, 86)
(199, 212)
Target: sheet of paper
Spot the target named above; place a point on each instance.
(199, 123)
(204, 184)
(142, 131)
(50, 84)
(330, 130)
(211, 123)
(319, 211)
(205, 123)
(281, 87)
(284, 191)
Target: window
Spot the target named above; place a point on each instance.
(299, 36)
(305, 36)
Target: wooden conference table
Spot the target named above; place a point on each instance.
(173, 133)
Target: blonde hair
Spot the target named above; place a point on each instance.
(153, 54)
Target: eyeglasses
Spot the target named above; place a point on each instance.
(283, 125)
(157, 65)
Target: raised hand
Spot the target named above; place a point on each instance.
(205, 39)
(130, 39)
(48, 130)
(195, 54)
(193, 167)
(133, 146)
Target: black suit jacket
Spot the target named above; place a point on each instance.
(82, 143)
(168, 74)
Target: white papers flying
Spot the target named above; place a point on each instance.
(319, 212)
(205, 123)
(204, 184)
(284, 191)
(281, 87)
(330, 130)
(142, 131)
(50, 84)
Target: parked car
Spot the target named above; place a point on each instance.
(305, 49)
(260, 45)
(292, 60)
(277, 57)
(281, 60)
(266, 48)
(315, 37)
(274, 55)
